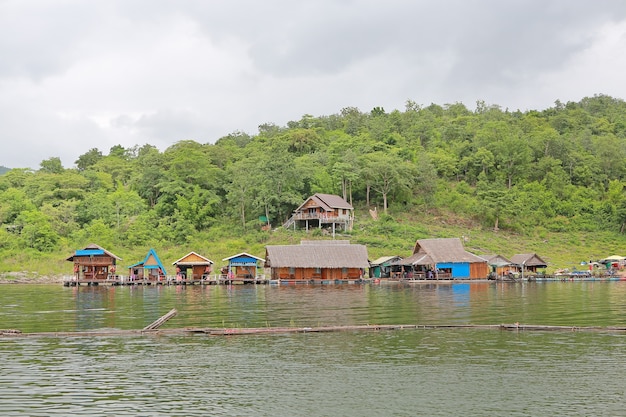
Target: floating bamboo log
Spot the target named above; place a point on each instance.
(321, 329)
(158, 323)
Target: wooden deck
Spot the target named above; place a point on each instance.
(207, 280)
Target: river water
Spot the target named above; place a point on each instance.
(442, 372)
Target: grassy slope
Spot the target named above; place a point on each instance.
(391, 236)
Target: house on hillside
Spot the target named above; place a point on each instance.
(193, 267)
(447, 258)
(93, 264)
(323, 211)
(527, 263)
(322, 261)
(149, 270)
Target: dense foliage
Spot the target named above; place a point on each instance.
(531, 173)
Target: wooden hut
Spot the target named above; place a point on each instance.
(147, 271)
(193, 267)
(447, 258)
(323, 211)
(417, 266)
(382, 267)
(527, 263)
(498, 265)
(94, 264)
(242, 268)
(322, 261)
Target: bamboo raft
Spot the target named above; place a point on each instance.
(154, 329)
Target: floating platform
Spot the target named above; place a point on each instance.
(71, 282)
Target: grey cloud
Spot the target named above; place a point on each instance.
(169, 126)
(158, 71)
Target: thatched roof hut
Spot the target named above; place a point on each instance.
(317, 260)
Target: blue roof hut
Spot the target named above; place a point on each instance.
(151, 269)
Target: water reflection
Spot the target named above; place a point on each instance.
(409, 372)
(55, 308)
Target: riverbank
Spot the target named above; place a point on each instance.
(26, 278)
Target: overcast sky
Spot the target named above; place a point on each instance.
(76, 75)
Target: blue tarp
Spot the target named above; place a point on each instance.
(242, 261)
(89, 252)
(459, 270)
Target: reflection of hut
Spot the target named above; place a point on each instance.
(242, 267)
(150, 269)
(498, 264)
(527, 262)
(93, 264)
(317, 260)
(193, 267)
(381, 267)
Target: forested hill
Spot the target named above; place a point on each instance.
(3, 169)
(529, 173)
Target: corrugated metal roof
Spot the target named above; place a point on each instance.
(328, 202)
(324, 242)
(193, 258)
(383, 259)
(244, 254)
(445, 250)
(151, 261)
(419, 258)
(93, 246)
(334, 201)
(496, 260)
(528, 259)
(317, 256)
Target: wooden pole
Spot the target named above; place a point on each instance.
(158, 323)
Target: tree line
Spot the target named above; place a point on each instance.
(559, 169)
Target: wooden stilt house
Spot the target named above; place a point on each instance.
(323, 211)
(499, 265)
(149, 270)
(243, 267)
(94, 264)
(527, 263)
(322, 261)
(193, 267)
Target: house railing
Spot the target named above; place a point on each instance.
(322, 217)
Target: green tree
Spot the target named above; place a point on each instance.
(36, 231)
(387, 174)
(88, 159)
(51, 165)
(494, 200)
(239, 188)
(12, 203)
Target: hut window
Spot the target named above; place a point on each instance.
(318, 270)
(292, 270)
(344, 270)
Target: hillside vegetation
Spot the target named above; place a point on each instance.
(550, 182)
